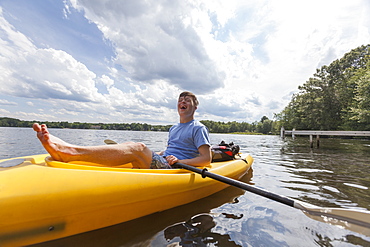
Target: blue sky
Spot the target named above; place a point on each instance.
(127, 61)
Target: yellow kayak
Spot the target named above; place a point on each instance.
(42, 199)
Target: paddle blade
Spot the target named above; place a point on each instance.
(354, 220)
(109, 142)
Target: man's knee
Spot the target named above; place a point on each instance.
(143, 155)
(139, 147)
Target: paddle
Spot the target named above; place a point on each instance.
(354, 220)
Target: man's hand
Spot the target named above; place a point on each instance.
(171, 159)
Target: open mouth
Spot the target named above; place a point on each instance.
(183, 107)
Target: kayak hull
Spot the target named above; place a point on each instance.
(42, 200)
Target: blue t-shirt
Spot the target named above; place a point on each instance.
(185, 139)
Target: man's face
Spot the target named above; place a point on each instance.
(186, 106)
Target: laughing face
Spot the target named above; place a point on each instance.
(186, 107)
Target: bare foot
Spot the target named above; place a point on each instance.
(54, 146)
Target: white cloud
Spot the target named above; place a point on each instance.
(6, 102)
(107, 81)
(289, 40)
(49, 73)
(32, 72)
(154, 42)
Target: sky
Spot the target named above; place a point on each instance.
(110, 61)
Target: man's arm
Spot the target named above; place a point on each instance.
(204, 158)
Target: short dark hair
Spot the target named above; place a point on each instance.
(190, 94)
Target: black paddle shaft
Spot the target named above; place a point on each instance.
(205, 173)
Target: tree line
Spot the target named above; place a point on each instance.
(264, 126)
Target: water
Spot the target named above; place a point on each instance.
(335, 175)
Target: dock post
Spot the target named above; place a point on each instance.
(318, 141)
(311, 142)
(282, 132)
(293, 136)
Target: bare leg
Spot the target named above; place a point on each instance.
(110, 155)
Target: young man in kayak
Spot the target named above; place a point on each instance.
(188, 143)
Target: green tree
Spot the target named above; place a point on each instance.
(334, 98)
(358, 113)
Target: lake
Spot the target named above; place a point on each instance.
(335, 175)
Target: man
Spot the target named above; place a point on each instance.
(188, 143)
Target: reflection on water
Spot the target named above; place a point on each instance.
(335, 175)
(197, 232)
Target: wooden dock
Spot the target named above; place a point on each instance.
(319, 133)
